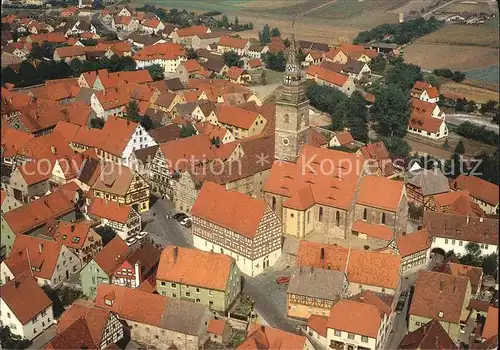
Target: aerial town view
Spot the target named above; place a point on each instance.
(249, 174)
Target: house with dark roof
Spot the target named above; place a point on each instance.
(454, 232)
(430, 336)
(443, 297)
(425, 183)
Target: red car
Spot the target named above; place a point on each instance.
(282, 280)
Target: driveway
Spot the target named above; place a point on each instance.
(163, 229)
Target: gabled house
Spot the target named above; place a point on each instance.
(185, 36)
(262, 337)
(430, 336)
(151, 26)
(427, 120)
(240, 122)
(8, 202)
(238, 75)
(120, 217)
(424, 184)
(414, 249)
(69, 53)
(201, 277)
(30, 181)
(26, 309)
(482, 192)
(425, 92)
(167, 55)
(51, 262)
(237, 45)
(323, 76)
(455, 202)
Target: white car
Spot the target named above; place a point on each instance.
(130, 241)
(142, 235)
(186, 222)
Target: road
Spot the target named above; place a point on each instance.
(164, 230)
(459, 118)
(427, 14)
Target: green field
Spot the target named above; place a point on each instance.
(489, 74)
(223, 6)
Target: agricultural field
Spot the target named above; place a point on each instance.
(469, 6)
(196, 5)
(489, 75)
(455, 34)
(470, 92)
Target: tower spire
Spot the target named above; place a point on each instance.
(292, 68)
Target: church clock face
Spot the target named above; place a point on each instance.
(285, 141)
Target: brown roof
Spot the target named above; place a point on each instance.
(475, 274)
(112, 255)
(377, 231)
(364, 267)
(344, 138)
(76, 335)
(461, 227)
(115, 179)
(491, 325)
(439, 294)
(166, 133)
(192, 31)
(232, 210)
(412, 243)
(479, 305)
(267, 337)
(232, 42)
(235, 72)
(216, 327)
(379, 192)
(196, 149)
(429, 336)
(195, 267)
(95, 318)
(25, 298)
(478, 188)
(346, 316)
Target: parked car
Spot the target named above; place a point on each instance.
(180, 216)
(282, 280)
(142, 234)
(402, 296)
(130, 241)
(400, 306)
(186, 222)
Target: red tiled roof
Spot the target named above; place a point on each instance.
(77, 335)
(43, 254)
(236, 116)
(255, 62)
(491, 325)
(478, 188)
(109, 210)
(195, 149)
(72, 235)
(379, 192)
(412, 243)
(346, 316)
(216, 327)
(112, 255)
(209, 206)
(35, 172)
(24, 298)
(165, 51)
(234, 72)
(459, 202)
(345, 138)
(373, 230)
(327, 75)
(364, 267)
(318, 324)
(429, 336)
(192, 31)
(70, 51)
(236, 43)
(267, 337)
(13, 140)
(192, 65)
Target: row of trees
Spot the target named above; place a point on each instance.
(28, 74)
(235, 26)
(173, 15)
(456, 76)
(478, 133)
(399, 33)
(473, 257)
(275, 61)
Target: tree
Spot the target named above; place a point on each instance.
(490, 264)
(224, 22)
(191, 54)
(265, 35)
(156, 72)
(458, 76)
(354, 113)
(12, 341)
(275, 62)
(397, 147)
(470, 107)
(460, 105)
(391, 111)
(110, 36)
(132, 111)
(216, 141)
(146, 122)
(473, 249)
(9, 76)
(231, 59)
(107, 234)
(404, 75)
(460, 148)
(489, 106)
(96, 123)
(433, 80)
(275, 32)
(236, 22)
(28, 74)
(76, 66)
(187, 131)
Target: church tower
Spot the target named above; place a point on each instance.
(292, 110)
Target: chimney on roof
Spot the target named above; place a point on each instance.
(16, 283)
(441, 286)
(72, 228)
(176, 253)
(481, 219)
(322, 255)
(40, 247)
(53, 149)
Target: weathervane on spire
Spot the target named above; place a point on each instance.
(292, 68)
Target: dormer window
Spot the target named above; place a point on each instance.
(108, 302)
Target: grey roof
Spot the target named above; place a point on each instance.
(430, 181)
(384, 45)
(166, 133)
(317, 283)
(84, 95)
(353, 66)
(174, 84)
(144, 39)
(311, 45)
(184, 316)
